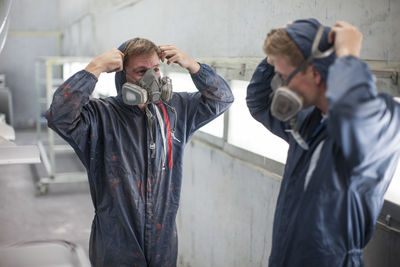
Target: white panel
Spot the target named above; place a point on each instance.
(247, 133)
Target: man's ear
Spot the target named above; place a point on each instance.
(270, 61)
(316, 76)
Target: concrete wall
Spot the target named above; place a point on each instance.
(235, 28)
(226, 211)
(206, 28)
(34, 31)
(77, 24)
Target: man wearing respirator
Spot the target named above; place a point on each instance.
(132, 147)
(314, 92)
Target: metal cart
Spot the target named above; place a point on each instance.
(50, 72)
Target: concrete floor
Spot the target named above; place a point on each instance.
(65, 212)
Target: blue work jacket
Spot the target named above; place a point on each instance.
(135, 189)
(331, 193)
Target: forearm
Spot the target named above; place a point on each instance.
(69, 99)
(211, 86)
(349, 84)
(214, 98)
(360, 121)
(259, 91)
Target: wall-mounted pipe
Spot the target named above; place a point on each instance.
(6, 6)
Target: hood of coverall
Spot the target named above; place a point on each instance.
(303, 33)
(120, 78)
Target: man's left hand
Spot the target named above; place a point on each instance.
(174, 55)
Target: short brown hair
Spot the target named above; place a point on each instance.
(279, 43)
(139, 46)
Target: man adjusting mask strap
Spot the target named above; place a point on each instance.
(149, 89)
(285, 102)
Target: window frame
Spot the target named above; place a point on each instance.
(243, 69)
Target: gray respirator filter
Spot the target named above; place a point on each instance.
(285, 102)
(149, 89)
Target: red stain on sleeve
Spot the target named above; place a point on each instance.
(66, 88)
(159, 226)
(114, 182)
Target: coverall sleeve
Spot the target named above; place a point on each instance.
(259, 101)
(67, 115)
(215, 98)
(364, 124)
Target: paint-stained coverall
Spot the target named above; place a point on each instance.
(135, 195)
(332, 193)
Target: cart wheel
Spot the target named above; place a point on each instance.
(42, 189)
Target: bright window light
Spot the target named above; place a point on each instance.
(105, 85)
(393, 192)
(182, 82)
(215, 127)
(247, 133)
(71, 68)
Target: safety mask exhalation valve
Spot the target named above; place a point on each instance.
(285, 102)
(149, 89)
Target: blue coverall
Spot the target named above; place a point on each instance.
(332, 193)
(135, 195)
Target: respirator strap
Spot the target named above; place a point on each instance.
(296, 135)
(169, 135)
(150, 122)
(162, 127)
(299, 140)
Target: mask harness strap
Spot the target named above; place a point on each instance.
(296, 135)
(176, 119)
(162, 127)
(150, 119)
(169, 135)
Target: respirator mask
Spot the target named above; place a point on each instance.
(285, 102)
(149, 89)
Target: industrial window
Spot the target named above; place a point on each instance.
(105, 85)
(393, 192)
(245, 132)
(241, 130)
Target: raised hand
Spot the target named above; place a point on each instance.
(174, 55)
(347, 39)
(110, 61)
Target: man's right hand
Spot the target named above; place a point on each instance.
(346, 38)
(109, 61)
